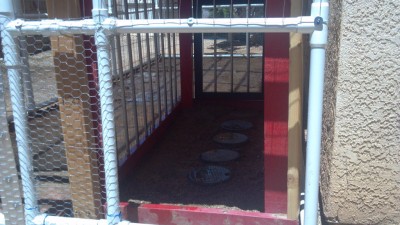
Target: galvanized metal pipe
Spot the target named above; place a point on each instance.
(10, 192)
(10, 189)
(108, 128)
(14, 65)
(191, 25)
(99, 13)
(318, 42)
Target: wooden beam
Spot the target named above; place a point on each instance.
(76, 114)
(295, 126)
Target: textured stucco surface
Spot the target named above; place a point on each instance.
(360, 171)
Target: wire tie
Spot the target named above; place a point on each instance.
(118, 215)
(32, 208)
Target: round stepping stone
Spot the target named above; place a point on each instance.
(209, 175)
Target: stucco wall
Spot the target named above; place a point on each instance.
(360, 173)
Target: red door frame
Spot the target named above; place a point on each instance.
(276, 100)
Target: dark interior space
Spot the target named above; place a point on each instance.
(162, 175)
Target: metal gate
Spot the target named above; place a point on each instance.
(229, 64)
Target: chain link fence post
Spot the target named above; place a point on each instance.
(107, 114)
(10, 191)
(14, 65)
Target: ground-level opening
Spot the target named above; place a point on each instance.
(162, 176)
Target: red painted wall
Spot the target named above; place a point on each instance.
(276, 94)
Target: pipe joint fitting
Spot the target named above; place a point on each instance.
(320, 12)
(18, 23)
(190, 21)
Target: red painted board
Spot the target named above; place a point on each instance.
(186, 59)
(182, 215)
(276, 95)
(276, 135)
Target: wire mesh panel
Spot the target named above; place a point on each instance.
(63, 134)
(61, 90)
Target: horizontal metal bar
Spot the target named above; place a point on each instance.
(229, 55)
(51, 27)
(35, 15)
(235, 25)
(236, 5)
(191, 25)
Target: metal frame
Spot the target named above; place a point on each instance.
(102, 29)
(14, 65)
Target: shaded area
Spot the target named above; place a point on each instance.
(162, 176)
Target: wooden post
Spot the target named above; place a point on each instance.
(76, 115)
(295, 126)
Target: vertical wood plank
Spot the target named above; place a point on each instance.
(76, 115)
(295, 125)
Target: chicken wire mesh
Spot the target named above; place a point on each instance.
(61, 107)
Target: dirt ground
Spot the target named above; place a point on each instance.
(162, 177)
